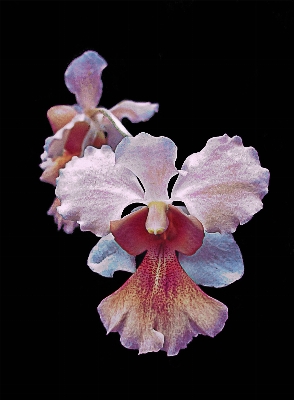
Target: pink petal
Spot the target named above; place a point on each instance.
(75, 138)
(59, 116)
(107, 256)
(160, 307)
(217, 263)
(52, 168)
(93, 190)
(110, 124)
(223, 184)
(152, 160)
(67, 225)
(134, 111)
(83, 78)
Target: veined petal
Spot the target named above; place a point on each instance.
(93, 190)
(67, 225)
(152, 160)
(217, 263)
(59, 116)
(223, 185)
(160, 307)
(107, 257)
(134, 111)
(83, 78)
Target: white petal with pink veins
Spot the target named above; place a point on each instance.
(83, 78)
(134, 111)
(152, 160)
(94, 191)
(217, 263)
(107, 256)
(223, 185)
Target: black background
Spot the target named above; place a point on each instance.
(214, 68)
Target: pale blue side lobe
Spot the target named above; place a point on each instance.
(107, 256)
(217, 263)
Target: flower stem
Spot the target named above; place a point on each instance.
(112, 118)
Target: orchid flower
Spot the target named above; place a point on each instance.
(78, 126)
(161, 307)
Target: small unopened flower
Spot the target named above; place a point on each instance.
(161, 306)
(78, 126)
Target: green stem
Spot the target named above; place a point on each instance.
(115, 121)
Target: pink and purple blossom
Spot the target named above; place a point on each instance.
(161, 306)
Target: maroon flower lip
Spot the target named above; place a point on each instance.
(160, 307)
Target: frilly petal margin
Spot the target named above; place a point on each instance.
(107, 256)
(67, 225)
(52, 168)
(54, 145)
(94, 191)
(134, 111)
(83, 78)
(223, 184)
(152, 160)
(217, 263)
(160, 307)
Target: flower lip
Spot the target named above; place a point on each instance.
(184, 233)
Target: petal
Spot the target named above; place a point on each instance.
(107, 257)
(131, 234)
(223, 185)
(152, 159)
(67, 225)
(52, 168)
(83, 78)
(184, 233)
(72, 144)
(110, 124)
(161, 302)
(54, 145)
(59, 116)
(76, 137)
(94, 191)
(135, 112)
(217, 263)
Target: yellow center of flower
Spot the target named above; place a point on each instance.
(157, 221)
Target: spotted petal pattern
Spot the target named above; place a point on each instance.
(160, 307)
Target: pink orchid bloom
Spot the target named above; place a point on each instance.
(76, 127)
(161, 307)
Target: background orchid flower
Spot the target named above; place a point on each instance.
(78, 126)
(161, 307)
